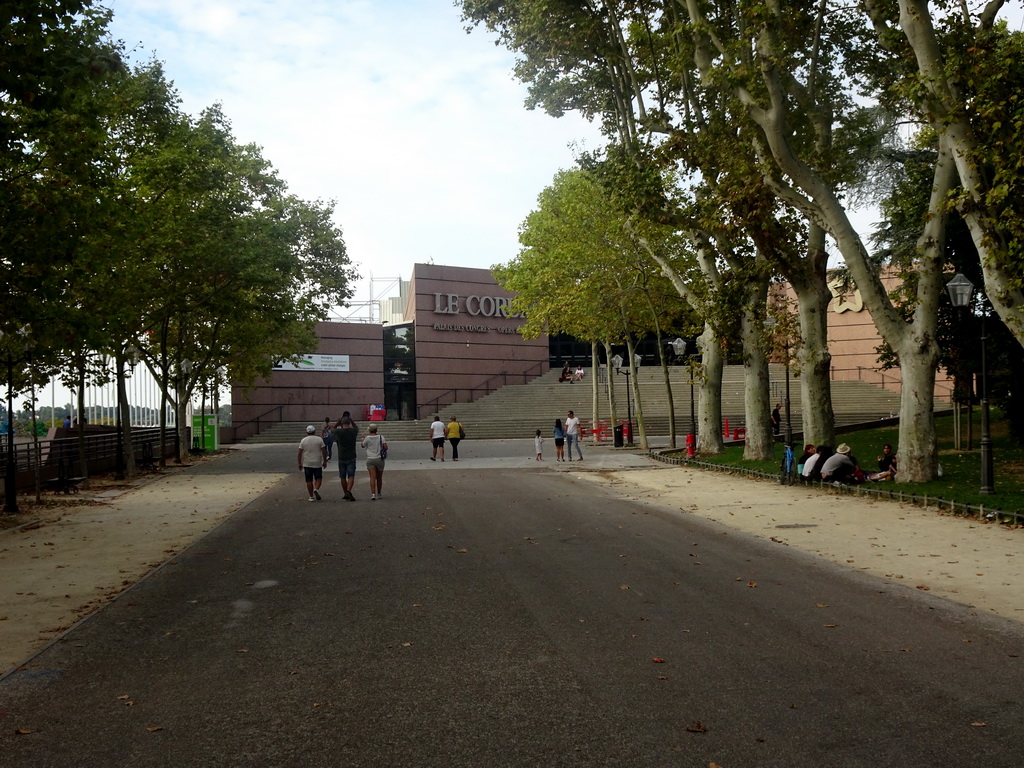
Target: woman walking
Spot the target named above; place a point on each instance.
(454, 432)
(327, 435)
(559, 435)
(376, 451)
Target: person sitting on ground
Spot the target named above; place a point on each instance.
(813, 465)
(839, 468)
(565, 376)
(886, 465)
(578, 375)
(802, 460)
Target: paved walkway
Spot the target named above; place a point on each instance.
(80, 557)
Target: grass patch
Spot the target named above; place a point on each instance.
(961, 470)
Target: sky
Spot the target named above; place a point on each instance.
(415, 128)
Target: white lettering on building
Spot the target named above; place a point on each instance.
(486, 306)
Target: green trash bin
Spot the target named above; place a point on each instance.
(205, 433)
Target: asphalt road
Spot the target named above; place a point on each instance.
(512, 617)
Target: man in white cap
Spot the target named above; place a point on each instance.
(312, 460)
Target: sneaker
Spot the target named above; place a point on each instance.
(317, 494)
(351, 497)
(373, 497)
(311, 499)
(380, 494)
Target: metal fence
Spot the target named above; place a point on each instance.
(59, 461)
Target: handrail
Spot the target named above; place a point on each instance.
(887, 379)
(256, 420)
(436, 405)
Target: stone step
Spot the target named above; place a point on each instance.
(516, 411)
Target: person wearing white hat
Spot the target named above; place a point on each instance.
(840, 467)
(312, 460)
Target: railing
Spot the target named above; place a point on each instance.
(482, 390)
(889, 380)
(256, 423)
(60, 458)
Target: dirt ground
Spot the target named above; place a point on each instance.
(66, 559)
(971, 561)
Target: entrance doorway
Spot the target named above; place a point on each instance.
(400, 401)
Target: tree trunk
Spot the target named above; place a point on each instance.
(83, 456)
(610, 384)
(668, 392)
(638, 411)
(124, 418)
(759, 444)
(709, 432)
(917, 448)
(814, 362)
(595, 369)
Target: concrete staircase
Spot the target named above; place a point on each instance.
(517, 410)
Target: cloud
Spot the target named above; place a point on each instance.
(415, 128)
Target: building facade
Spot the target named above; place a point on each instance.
(458, 340)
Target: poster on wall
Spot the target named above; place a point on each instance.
(334, 363)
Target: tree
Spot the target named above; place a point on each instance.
(959, 73)
(578, 254)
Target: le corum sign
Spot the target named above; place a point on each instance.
(475, 306)
(450, 304)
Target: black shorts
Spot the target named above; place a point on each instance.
(313, 473)
(438, 442)
(559, 442)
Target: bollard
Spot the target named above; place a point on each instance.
(726, 432)
(691, 446)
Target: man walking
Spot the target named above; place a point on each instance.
(437, 438)
(572, 436)
(312, 460)
(345, 438)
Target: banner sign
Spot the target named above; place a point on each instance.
(333, 363)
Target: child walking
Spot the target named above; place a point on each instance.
(538, 446)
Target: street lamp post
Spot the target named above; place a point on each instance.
(617, 365)
(960, 291)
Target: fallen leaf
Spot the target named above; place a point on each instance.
(979, 724)
(658, 661)
(242, 650)
(154, 728)
(624, 586)
(830, 626)
(22, 731)
(697, 727)
(751, 584)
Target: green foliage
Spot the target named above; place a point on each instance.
(961, 470)
(126, 224)
(580, 271)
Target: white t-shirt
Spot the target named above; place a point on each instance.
(312, 447)
(437, 429)
(538, 444)
(572, 426)
(373, 444)
(809, 464)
